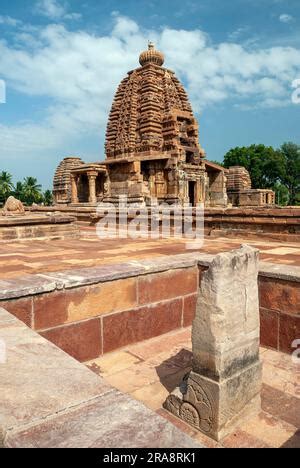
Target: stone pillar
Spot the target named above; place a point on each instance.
(224, 385)
(74, 189)
(92, 187)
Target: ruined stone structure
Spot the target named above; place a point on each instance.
(88, 183)
(62, 179)
(77, 182)
(152, 150)
(239, 189)
(225, 382)
(13, 207)
(215, 185)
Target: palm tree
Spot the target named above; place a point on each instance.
(6, 185)
(48, 198)
(19, 191)
(32, 191)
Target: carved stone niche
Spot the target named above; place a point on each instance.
(223, 388)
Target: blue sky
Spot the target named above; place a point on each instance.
(62, 61)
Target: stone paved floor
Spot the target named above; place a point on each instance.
(148, 371)
(30, 257)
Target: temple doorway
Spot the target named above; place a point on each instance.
(192, 192)
(83, 189)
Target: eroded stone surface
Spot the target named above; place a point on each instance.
(226, 328)
(13, 207)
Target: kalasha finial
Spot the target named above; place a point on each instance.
(152, 56)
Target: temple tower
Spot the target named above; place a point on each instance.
(152, 147)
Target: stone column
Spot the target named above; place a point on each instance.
(92, 187)
(74, 189)
(224, 385)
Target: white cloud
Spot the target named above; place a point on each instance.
(9, 21)
(79, 73)
(73, 16)
(54, 10)
(238, 33)
(285, 18)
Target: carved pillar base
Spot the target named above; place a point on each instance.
(216, 408)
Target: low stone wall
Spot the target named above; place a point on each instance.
(92, 311)
(273, 223)
(49, 400)
(279, 297)
(81, 212)
(38, 227)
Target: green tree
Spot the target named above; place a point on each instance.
(281, 194)
(270, 168)
(48, 198)
(32, 191)
(291, 177)
(19, 191)
(264, 163)
(6, 186)
(238, 156)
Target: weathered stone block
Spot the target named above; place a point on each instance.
(224, 385)
(269, 328)
(189, 309)
(20, 308)
(283, 296)
(82, 303)
(81, 340)
(140, 324)
(226, 328)
(167, 285)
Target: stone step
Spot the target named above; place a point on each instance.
(48, 399)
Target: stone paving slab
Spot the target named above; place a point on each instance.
(280, 271)
(38, 379)
(29, 285)
(35, 257)
(115, 421)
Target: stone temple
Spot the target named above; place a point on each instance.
(153, 151)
